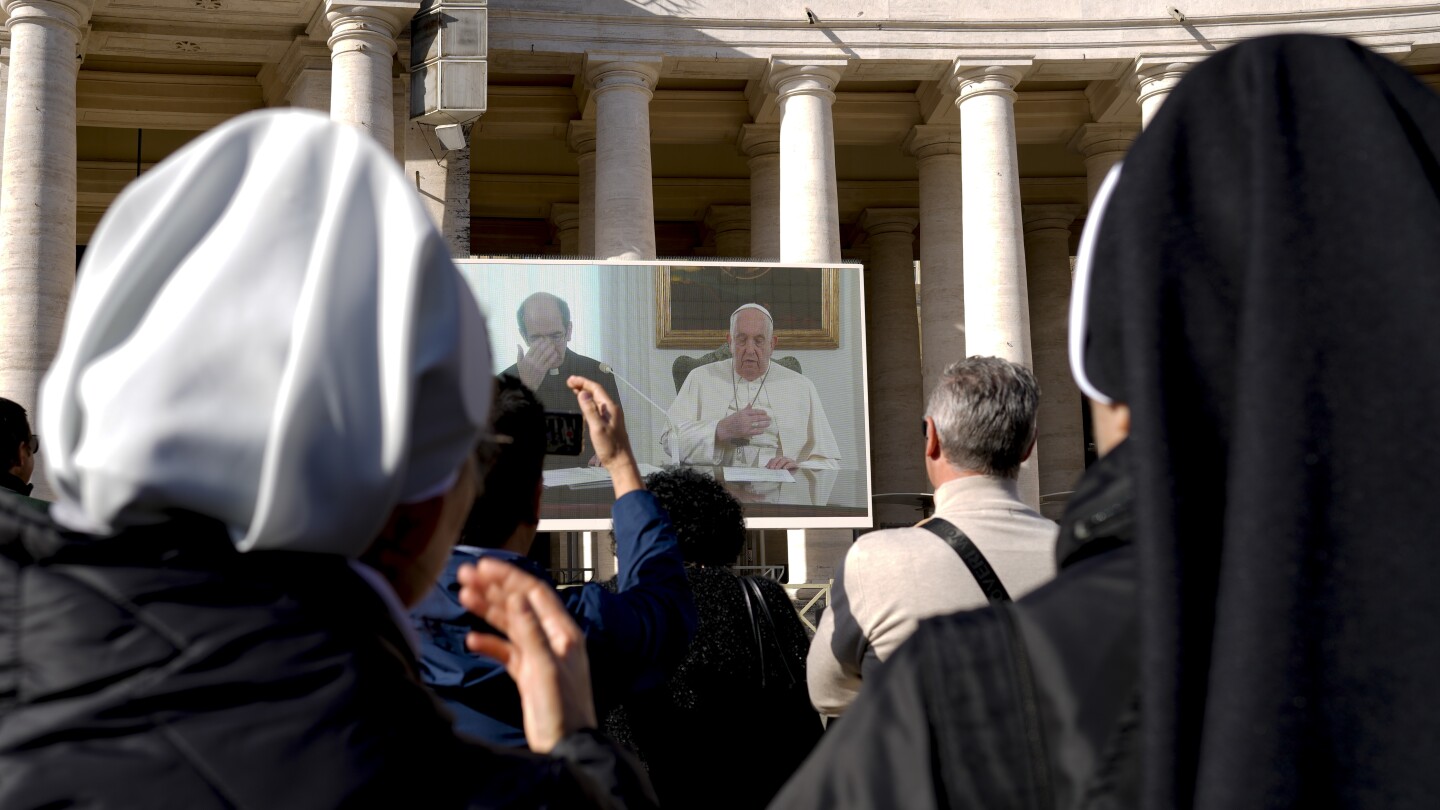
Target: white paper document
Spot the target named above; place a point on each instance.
(765, 474)
(573, 476)
(585, 477)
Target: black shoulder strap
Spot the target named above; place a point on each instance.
(754, 627)
(979, 567)
(754, 587)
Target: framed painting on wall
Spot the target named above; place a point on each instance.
(694, 303)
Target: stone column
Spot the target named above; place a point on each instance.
(812, 555)
(1061, 443)
(996, 313)
(1102, 146)
(582, 142)
(809, 200)
(892, 351)
(997, 310)
(761, 145)
(443, 184)
(362, 52)
(942, 278)
(37, 203)
(566, 218)
(624, 197)
(809, 231)
(4, 81)
(1155, 77)
(731, 224)
(602, 558)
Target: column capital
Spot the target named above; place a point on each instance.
(1047, 216)
(1159, 73)
(581, 137)
(970, 78)
(565, 215)
(725, 218)
(72, 14)
(805, 76)
(1097, 139)
(638, 73)
(373, 24)
(929, 140)
(759, 139)
(876, 221)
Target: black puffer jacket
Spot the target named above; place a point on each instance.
(713, 736)
(1031, 704)
(161, 668)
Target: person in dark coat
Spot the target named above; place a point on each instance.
(18, 446)
(259, 423)
(1250, 310)
(733, 721)
(635, 635)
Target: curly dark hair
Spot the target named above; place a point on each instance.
(708, 521)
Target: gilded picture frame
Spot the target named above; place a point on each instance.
(693, 304)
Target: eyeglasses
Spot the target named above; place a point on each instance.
(33, 443)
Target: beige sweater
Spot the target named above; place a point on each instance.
(892, 579)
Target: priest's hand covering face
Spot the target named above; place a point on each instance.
(544, 321)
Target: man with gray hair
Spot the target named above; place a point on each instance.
(746, 411)
(979, 427)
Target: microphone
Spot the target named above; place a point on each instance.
(606, 368)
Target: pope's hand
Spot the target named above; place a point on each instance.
(782, 463)
(742, 424)
(534, 364)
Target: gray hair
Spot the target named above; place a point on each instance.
(769, 321)
(984, 411)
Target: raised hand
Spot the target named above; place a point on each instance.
(607, 433)
(742, 424)
(545, 653)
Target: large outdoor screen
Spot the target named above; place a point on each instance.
(781, 421)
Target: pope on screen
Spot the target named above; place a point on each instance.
(748, 412)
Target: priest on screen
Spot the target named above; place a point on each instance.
(748, 412)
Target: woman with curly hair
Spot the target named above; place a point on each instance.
(733, 721)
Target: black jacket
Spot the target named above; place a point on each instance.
(1028, 704)
(726, 731)
(161, 668)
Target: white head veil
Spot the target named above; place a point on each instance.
(266, 330)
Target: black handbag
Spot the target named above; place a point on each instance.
(792, 724)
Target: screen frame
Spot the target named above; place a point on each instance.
(864, 521)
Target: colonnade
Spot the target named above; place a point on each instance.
(975, 237)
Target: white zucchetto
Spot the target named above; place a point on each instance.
(267, 330)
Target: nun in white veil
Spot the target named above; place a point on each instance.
(259, 426)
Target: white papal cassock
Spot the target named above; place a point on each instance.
(798, 427)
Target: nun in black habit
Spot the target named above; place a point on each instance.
(1256, 306)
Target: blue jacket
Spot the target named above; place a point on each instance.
(634, 637)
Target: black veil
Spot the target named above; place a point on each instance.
(1265, 294)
